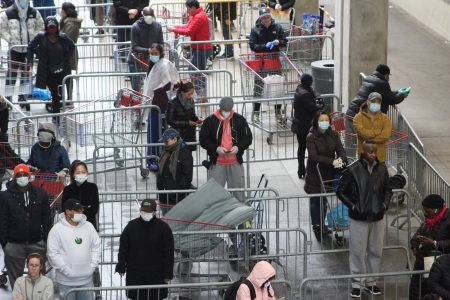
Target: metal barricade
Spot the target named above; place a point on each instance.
(15, 78)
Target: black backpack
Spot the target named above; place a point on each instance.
(231, 292)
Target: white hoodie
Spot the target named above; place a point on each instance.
(74, 251)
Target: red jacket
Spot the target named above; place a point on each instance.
(197, 28)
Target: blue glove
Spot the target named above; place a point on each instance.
(270, 45)
(404, 91)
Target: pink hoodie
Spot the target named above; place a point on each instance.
(261, 272)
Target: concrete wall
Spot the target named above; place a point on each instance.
(431, 13)
(360, 42)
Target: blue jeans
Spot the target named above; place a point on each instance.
(85, 295)
(314, 209)
(198, 59)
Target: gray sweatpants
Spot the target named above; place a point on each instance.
(232, 175)
(365, 250)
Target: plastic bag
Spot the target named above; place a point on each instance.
(338, 217)
(41, 94)
(273, 86)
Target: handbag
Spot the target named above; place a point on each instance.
(429, 260)
(57, 69)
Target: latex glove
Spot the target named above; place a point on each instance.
(221, 151)
(61, 173)
(234, 150)
(404, 91)
(270, 45)
(278, 6)
(337, 163)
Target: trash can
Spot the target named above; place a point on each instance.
(322, 72)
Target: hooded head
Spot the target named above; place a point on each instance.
(50, 24)
(262, 273)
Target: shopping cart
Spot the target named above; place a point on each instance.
(305, 48)
(53, 185)
(98, 123)
(120, 55)
(269, 76)
(10, 71)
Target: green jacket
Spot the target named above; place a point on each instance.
(71, 27)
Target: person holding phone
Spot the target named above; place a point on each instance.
(432, 235)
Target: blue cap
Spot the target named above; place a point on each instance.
(169, 134)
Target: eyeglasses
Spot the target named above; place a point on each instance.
(33, 266)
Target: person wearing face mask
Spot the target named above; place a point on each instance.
(225, 135)
(260, 277)
(175, 169)
(378, 82)
(25, 221)
(324, 148)
(432, 235)
(181, 115)
(73, 250)
(146, 253)
(162, 76)
(48, 155)
(19, 24)
(267, 36)
(55, 52)
(372, 124)
(144, 33)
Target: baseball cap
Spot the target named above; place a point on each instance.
(169, 134)
(148, 205)
(72, 204)
(263, 12)
(374, 95)
(22, 168)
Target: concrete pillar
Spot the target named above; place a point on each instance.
(360, 43)
(309, 7)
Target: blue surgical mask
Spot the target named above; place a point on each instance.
(154, 58)
(324, 125)
(374, 107)
(24, 3)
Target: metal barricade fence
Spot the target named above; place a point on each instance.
(198, 291)
(393, 285)
(203, 262)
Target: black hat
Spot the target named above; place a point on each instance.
(170, 133)
(433, 201)
(306, 79)
(148, 205)
(72, 204)
(383, 69)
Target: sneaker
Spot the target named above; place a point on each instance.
(355, 293)
(374, 290)
(227, 56)
(255, 118)
(280, 119)
(316, 230)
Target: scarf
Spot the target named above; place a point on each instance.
(172, 152)
(187, 104)
(431, 222)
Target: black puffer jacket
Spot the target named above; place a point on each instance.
(369, 193)
(178, 117)
(260, 36)
(87, 194)
(323, 149)
(375, 83)
(439, 278)
(304, 109)
(123, 6)
(20, 224)
(41, 41)
(211, 135)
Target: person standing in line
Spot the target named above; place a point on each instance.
(267, 36)
(226, 13)
(371, 124)
(181, 115)
(176, 167)
(305, 107)
(324, 148)
(127, 12)
(19, 24)
(225, 135)
(144, 33)
(366, 190)
(74, 250)
(198, 29)
(70, 25)
(35, 285)
(25, 221)
(146, 253)
(55, 52)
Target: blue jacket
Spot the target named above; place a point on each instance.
(39, 157)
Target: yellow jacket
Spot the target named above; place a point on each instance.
(377, 128)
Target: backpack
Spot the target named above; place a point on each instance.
(231, 291)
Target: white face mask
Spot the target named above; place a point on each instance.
(22, 181)
(146, 216)
(77, 218)
(80, 178)
(225, 114)
(148, 19)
